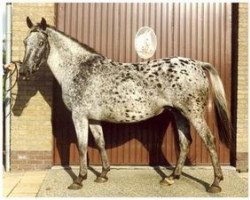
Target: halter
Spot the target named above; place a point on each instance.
(37, 29)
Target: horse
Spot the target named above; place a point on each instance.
(96, 89)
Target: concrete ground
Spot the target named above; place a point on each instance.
(23, 184)
(128, 182)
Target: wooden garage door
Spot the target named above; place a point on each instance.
(199, 31)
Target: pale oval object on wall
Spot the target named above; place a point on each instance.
(145, 42)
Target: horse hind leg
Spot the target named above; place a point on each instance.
(183, 128)
(97, 133)
(207, 137)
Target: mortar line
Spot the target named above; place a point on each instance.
(41, 184)
(14, 187)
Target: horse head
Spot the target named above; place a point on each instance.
(36, 48)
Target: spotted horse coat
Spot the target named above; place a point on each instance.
(95, 89)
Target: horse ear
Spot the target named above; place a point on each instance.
(43, 24)
(29, 22)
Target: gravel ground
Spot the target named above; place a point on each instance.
(143, 183)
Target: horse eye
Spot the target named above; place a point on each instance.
(41, 44)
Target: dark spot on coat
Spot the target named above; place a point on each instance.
(167, 60)
(158, 85)
(171, 65)
(137, 67)
(170, 70)
(179, 86)
(156, 65)
(185, 61)
(112, 63)
(92, 61)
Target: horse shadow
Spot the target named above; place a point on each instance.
(64, 132)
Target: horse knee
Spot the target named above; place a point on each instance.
(82, 149)
(100, 143)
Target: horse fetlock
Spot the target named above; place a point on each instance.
(219, 177)
(107, 169)
(82, 177)
(176, 176)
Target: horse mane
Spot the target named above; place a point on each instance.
(86, 47)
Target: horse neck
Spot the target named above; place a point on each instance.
(64, 53)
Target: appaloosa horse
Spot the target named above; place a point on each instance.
(95, 89)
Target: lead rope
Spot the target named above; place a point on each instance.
(6, 72)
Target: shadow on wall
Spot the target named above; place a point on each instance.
(27, 89)
(150, 133)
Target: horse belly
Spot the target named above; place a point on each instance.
(128, 101)
(131, 110)
(131, 116)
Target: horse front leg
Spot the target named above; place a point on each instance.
(96, 129)
(81, 127)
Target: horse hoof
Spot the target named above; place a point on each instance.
(214, 189)
(75, 186)
(167, 181)
(101, 179)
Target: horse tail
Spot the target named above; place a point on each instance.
(221, 109)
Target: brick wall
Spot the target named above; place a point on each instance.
(242, 90)
(31, 129)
